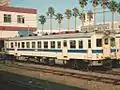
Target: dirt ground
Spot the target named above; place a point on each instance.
(81, 83)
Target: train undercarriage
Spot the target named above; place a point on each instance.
(72, 63)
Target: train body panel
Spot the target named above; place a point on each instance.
(91, 47)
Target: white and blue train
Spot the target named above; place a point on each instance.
(74, 49)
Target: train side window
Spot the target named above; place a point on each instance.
(99, 42)
(15, 44)
(65, 43)
(58, 44)
(39, 44)
(112, 42)
(52, 44)
(23, 44)
(27, 44)
(33, 45)
(45, 44)
(106, 41)
(18, 44)
(12, 45)
(72, 44)
(80, 44)
(89, 43)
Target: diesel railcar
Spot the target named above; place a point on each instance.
(74, 49)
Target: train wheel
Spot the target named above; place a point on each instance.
(51, 61)
(75, 65)
(107, 64)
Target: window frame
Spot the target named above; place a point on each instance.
(39, 44)
(27, 44)
(65, 43)
(33, 44)
(73, 44)
(19, 44)
(52, 44)
(89, 43)
(106, 41)
(22, 44)
(45, 43)
(80, 42)
(11, 45)
(7, 18)
(20, 19)
(58, 44)
(98, 42)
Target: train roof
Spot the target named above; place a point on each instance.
(58, 36)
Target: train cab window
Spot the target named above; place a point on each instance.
(65, 43)
(106, 41)
(89, 43)
(52, 44)
(18, 44)
(23, 44)
(12, 45)
(27, 44)
(45, 44)
(72, 44)
(39, 44)
(80, 44)
(58, 44)
(99, 42)
(112, 40)
(33, 44)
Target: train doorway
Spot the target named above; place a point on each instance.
(65, 50)
(106, 47)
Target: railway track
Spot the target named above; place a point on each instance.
(108, 77)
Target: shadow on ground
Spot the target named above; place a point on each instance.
(32, 83)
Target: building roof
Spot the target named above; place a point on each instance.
(18, 9)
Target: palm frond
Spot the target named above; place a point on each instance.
(113, 6)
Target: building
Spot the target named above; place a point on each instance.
(13, 20)
(107, 26)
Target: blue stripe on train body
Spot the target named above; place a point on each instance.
(60, 50)
(77, 51)
(97, 51)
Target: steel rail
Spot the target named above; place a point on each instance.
(99, 77)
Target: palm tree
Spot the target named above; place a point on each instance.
(95, 4)
(82, 3)
(89, 16)
(42, 20)
(118, 10)
(75, 14)
(104, 4)
(59, 17)
(113, 6)
(68, 14)
(51, 13)
(82, 18)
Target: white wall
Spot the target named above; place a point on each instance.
(30, 19)
(6, 34)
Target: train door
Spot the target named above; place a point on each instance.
(89, 53)
(65, 49)
(106, 47)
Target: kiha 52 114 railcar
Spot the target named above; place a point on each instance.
(77, 50)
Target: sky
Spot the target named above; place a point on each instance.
(59, 6)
